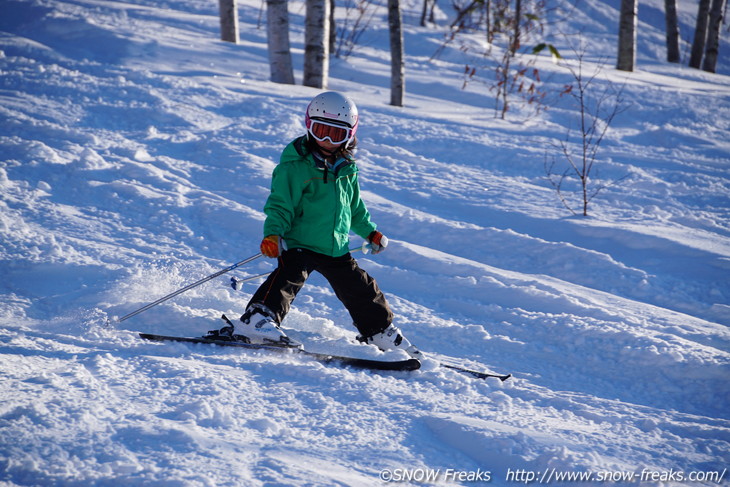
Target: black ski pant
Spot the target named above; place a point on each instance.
(353, 287)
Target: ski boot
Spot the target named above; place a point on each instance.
(256, 326)
(392, 339)
(259, 326)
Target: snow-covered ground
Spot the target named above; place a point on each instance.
(135, 157)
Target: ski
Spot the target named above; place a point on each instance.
(360, 363)
(476, 373)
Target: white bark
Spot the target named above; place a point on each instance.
(316, 44)
(277, 30)
(713, 35)
(670, 9)
(698, 45)
(397, 63)
(627, 36)
(228, 10)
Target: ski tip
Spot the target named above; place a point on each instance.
(476, 373)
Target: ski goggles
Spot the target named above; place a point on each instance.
(335, 133)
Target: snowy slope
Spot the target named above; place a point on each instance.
(135, 157)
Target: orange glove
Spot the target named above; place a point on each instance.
(378, 242)
(272, 246)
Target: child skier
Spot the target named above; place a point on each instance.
(314, 203)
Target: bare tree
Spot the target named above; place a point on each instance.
(713, 35)
(229, 20)
(397, 58)
(670, 12)
(515, 42)
(596, 113)
(316, 44)
(507, 30)
(277, 31)
(333, 28)
(488, 20)
(427, 12)
(627, 36)
(355, 21)
(698, 45)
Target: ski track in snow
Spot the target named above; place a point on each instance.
(136, 156)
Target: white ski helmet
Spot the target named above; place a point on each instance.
(332, 116)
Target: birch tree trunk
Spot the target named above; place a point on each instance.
(424, 12)
(316, 44)
(488, 20)
(670, 11)
(518, 19)
(627, 36)
(713, 35)
(427, 12)
(333, 28)
(698, 45)
(277, 31)
(228, 10)
(397, 62)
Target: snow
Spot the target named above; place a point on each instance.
(136, 153)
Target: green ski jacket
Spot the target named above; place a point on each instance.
(313, 207)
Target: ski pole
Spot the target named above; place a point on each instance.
(237, 284)
(190, 286)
